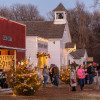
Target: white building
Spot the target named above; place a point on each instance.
(79, 56)
(37, 50)
(56, 34)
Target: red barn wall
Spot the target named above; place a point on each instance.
(14, 30)
(20, 55)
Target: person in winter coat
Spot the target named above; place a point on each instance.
(86, 77)
(90, 71)
(45, 75)
(73, 81)
(50, 73)
(81, 76)
(2, 78)
(55, 72)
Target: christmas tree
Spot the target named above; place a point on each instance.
(65, 75)
(24, 79)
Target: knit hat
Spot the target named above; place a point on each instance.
(45, 66)
(53, 64)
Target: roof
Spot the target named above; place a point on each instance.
(60, 7)
(44, 29)
(69, 45)
(78, 53)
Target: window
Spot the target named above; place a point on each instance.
(60, 15)
(69, 62)
(8, 52)
(7, 38)
(4, 37)
(83, 63)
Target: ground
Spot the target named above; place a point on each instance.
(51, 92)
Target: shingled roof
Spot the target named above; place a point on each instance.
(60, 7)
(45, 29)
(78, 53)
(69, 45)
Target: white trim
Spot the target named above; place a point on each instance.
(38, 38)
(6, 47)
(50, 39)
(70, 55)
(55, 39)
(13, 21)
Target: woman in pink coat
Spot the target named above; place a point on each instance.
(81, 76)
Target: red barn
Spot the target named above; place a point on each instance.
(12, 42)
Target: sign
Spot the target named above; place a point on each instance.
(6, 61)
(90, 59)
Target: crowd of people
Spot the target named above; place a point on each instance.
(82, 75)
(53, 73)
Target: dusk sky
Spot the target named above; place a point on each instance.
(44, 6)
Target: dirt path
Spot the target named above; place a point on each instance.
(63, 92)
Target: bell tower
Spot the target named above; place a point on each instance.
(60, 14)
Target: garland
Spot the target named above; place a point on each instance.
(42, 55)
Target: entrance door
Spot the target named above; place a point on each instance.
(42, 61)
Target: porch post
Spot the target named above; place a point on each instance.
(15, 59)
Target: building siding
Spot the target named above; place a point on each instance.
(54, 50)
(63, 52)
(31, 49)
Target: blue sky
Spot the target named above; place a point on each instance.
(44, 6)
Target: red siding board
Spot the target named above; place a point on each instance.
(14, 30)
(20, 55)
(17, 32)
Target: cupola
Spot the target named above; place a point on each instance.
(60, 14)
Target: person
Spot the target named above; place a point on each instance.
(2, 78)
(55, 72)
(98, 67)
(73, 82)
(90, 71)
(45, 75)
(81, 76)
(96, 77)
(86, 77)
(50, 73)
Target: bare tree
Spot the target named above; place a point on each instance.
(20, 12)
(50, 15)
(96, 3)
(5, 12)
(79, 23)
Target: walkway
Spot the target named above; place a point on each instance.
(52, 92)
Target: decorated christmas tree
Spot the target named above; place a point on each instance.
(24, 79)
(65, 75)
